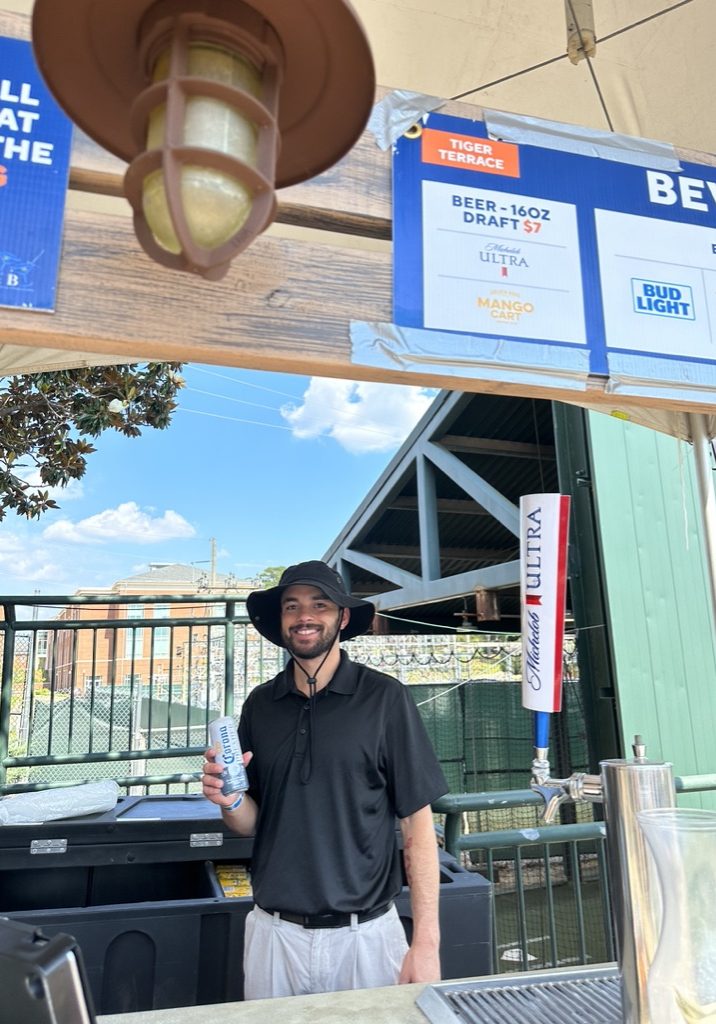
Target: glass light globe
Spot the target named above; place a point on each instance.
(215, 204)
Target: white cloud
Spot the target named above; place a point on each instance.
(22, 561)
(127, 523)
(360, 416)
(73, 491)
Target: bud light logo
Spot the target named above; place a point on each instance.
(658, 298)
(227, 753)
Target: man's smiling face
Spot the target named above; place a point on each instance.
(310, 621)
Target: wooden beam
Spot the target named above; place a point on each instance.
(285, 305)
(495, 446)
(412, 551)
(453, 506)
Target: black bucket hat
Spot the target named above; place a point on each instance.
(264, 606)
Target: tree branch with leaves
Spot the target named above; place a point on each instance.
(269, 576)
(46, 420)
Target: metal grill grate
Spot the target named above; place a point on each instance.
(581, 996)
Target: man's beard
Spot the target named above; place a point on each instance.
(322, 645)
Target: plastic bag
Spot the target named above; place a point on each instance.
(51, 804)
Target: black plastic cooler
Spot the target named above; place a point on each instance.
(138, 888)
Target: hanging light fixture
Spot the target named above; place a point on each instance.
(213, 103)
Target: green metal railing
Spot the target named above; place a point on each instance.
(556, 896)
(90, 697)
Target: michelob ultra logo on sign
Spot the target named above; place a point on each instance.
(544, 524)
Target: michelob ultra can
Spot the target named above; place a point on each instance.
(225, 740)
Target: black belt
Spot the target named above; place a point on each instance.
(330, 920)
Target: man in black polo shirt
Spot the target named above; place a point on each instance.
(335, 752)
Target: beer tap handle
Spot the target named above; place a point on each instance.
(554, 797)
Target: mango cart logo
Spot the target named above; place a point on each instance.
(505, 306)
(659, 298)
(533, 599)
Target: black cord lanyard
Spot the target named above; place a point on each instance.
(307, 766)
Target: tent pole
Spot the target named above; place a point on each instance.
(704, 474)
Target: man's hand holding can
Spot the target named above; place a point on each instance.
(225, 781)
(212, 780)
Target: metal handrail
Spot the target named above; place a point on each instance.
(178, 692)
(543, 843)
(454, 805)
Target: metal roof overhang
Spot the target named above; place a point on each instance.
(436, 541)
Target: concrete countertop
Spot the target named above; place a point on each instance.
(394, 1005)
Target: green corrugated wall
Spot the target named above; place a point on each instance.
(657, 592)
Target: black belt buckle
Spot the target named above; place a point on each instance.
(324, 920)
(332, 920)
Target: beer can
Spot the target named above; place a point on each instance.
(224, 738)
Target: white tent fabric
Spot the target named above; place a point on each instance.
(652, 74)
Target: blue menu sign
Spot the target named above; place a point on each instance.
(35, 140)
(566, 258)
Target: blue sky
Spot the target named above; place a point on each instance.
(270, 465)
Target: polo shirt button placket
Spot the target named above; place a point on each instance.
(301, 730)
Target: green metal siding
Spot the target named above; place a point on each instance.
(658, 610)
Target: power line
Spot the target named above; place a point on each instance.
(246, 383)
(336, 409)
(228, 398)
(332, 408)
(234, 419)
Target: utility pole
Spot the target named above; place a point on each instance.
(212, 576)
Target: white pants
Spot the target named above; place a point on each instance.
(285, 959)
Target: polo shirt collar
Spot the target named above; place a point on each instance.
(345, 679)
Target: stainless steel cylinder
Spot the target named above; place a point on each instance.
(628, 787)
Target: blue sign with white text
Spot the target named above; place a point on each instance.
(508, 242)
(35, 140)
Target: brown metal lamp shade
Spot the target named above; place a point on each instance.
(213, 102)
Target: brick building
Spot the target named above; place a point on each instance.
(152, 648)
